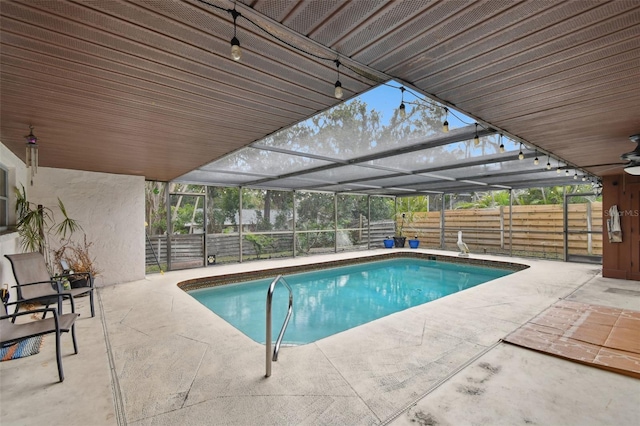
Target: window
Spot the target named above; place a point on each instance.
(4, 198)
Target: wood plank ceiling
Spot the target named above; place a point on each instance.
(147, 87)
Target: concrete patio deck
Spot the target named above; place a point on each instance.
(155, 356)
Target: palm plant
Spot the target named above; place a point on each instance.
(36, 224)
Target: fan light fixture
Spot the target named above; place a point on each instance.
(31, 158)
(633, 168)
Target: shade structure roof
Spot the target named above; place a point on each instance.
(353, 148)
(148, 87)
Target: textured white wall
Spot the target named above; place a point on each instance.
(110, 209)
(9, 240)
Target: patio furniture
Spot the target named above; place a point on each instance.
(34, 283)
(11, 333)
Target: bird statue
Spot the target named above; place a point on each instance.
(464, 249)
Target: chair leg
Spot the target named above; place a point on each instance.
(13, 319)
(93, 312)
(44, 314)
(73, 337)
(59, 356)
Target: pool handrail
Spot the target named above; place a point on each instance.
(270, 291)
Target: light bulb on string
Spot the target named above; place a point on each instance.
(445, 125)
(584, 178)
(520, 154)
(535, 160)
(575, 175)
(337, 92)
(548, 163)
(476, 139)
(558, 169)
(236, 53)
(501, 145)
(402, 109)
(566, 173)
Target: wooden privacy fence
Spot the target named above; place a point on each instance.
(188, 250)
(533, 230)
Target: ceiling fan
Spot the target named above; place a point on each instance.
(633, 158)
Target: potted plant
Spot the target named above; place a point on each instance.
(399, 239)
(415, 242)
(37, 224)
(388, 242)
(76, 262)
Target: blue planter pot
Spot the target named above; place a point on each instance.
(388, 243)
(414, 243)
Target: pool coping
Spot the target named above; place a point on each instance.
(218, 280)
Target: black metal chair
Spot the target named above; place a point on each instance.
(34, 283)
(11, 333)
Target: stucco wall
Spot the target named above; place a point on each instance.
(9, 240)
(110, 209)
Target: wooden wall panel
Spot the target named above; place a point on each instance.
(622, 260)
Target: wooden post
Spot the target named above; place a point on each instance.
(501, 227)
(589, 229)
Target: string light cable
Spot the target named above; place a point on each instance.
(366, 78)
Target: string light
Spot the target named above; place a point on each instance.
(476, 139)
(558, 169)
(575, 175)
(236, 53)
(548, 163)
(402, 109)
(584, 178)
(501, 145)
(535, 160)
(445, 125)
(520, 154)
(338, 93)
(566, 173)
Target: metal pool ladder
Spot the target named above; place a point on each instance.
(272, 287)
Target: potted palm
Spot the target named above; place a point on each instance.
(37, 225)
(399, 239)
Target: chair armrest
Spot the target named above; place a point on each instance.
(30, 311)
(34, 283)
(57, 289)
(86, 275)
(35, 299)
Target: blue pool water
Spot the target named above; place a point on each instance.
(329, 301)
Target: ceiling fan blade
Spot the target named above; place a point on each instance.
(635, 154)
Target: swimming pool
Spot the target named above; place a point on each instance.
(332, 300)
